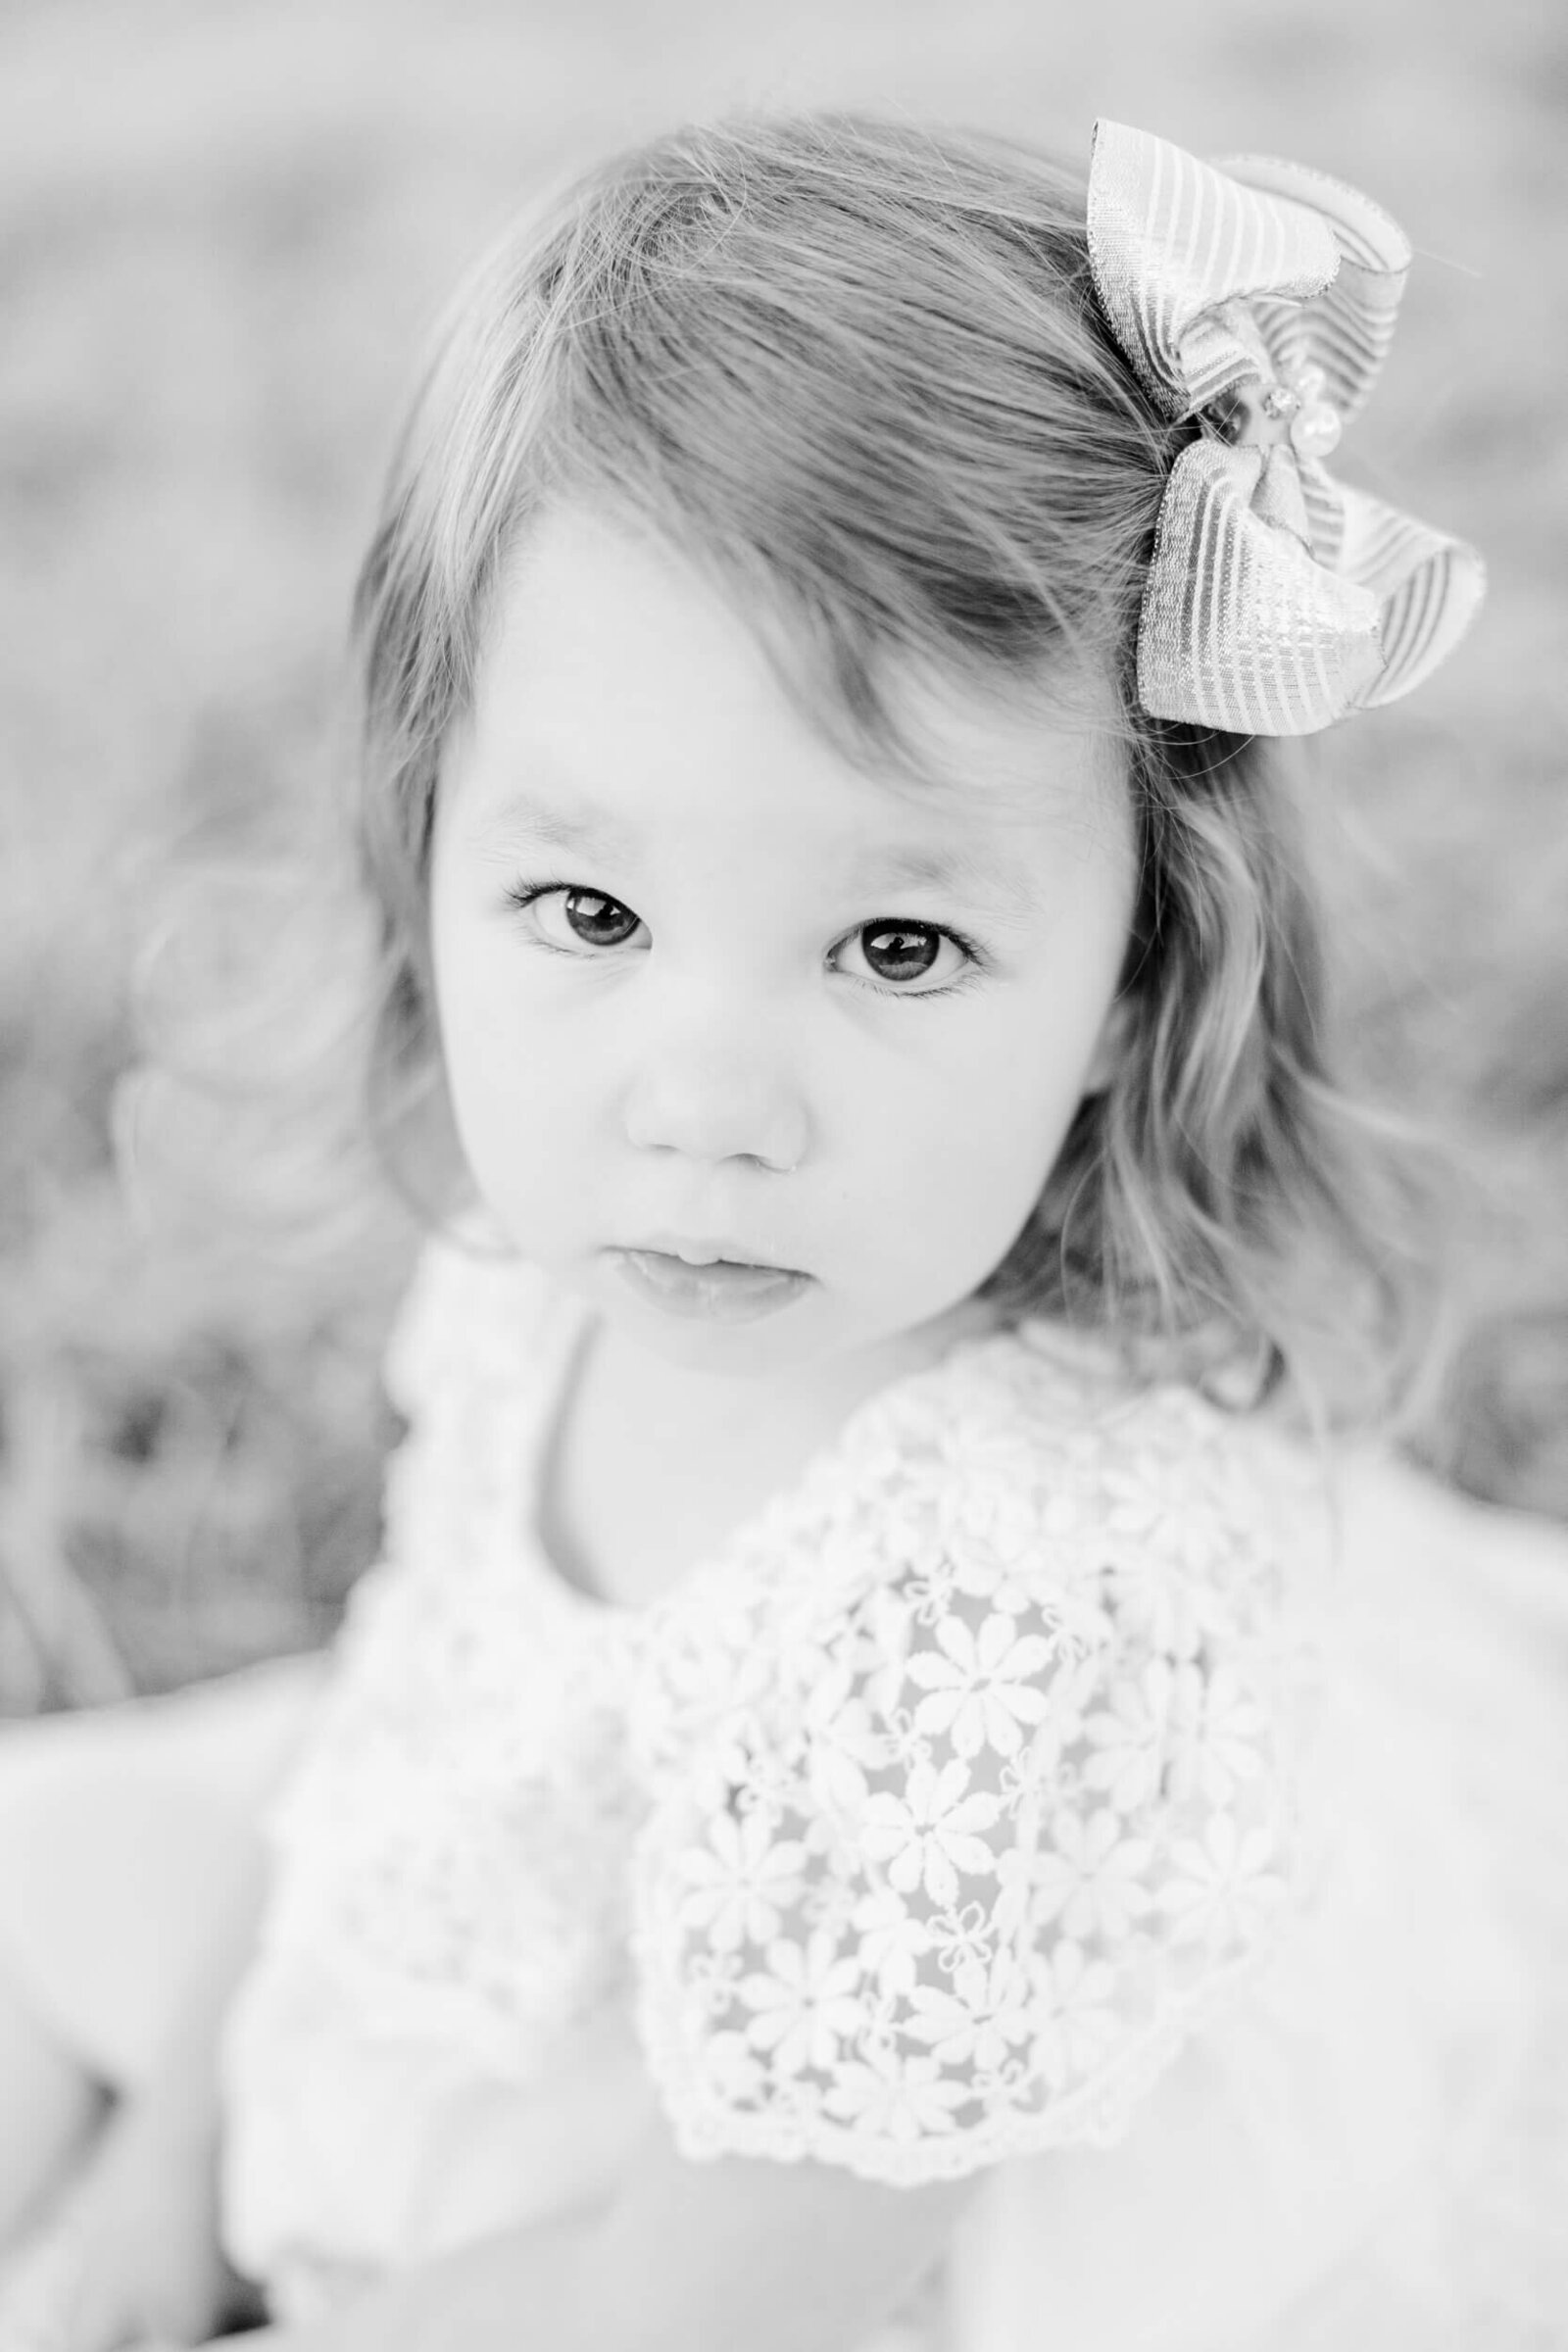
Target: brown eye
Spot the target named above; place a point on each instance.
(899, 954)
(598, 921)
(570, 919)
(900, 951)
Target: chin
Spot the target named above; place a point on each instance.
(777, 1342)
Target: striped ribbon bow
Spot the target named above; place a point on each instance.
(1261, 298)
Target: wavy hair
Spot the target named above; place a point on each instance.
(855, 372)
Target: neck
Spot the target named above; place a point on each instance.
(817, 1394)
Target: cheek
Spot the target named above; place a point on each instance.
(513, 1087)
(995, 1127)
(954, 1156)
(1001, 1138)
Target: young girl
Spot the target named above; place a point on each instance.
(897, 1784)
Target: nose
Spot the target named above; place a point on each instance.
(712, 1084)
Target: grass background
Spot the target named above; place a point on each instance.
(224, 226)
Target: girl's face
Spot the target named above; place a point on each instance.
(710, 990)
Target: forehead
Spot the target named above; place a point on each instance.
(623, 696)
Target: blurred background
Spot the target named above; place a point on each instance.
(225, 227)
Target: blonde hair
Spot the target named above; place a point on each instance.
(856, 371)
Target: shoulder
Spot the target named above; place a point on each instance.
(1016, 1562)
(471, 1313)
(469, 1367)
(1028, 1472)
(1055, 1547)
(1023, 1487)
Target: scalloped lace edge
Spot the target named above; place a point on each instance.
(1097, 2113)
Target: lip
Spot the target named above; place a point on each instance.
(713, 1290)
(710, 1251)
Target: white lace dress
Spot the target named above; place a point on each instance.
(1019, 1792)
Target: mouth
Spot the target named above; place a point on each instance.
(725, 1251)
(720, 1288)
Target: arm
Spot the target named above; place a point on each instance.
(739, 2255)
(746, 2251)
(181, 2093)
(144, 2224)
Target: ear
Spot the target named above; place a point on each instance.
(1111, 1047)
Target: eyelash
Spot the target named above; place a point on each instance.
(524, 895)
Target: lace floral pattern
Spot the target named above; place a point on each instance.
(1013, 1806)
(920, 1825)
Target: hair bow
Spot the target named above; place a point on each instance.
(1261, 298)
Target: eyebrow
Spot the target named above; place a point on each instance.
(524, 819)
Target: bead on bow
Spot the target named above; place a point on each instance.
(1260, 297)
